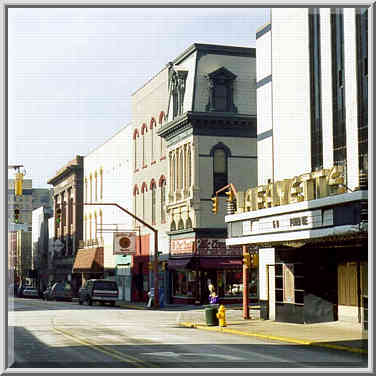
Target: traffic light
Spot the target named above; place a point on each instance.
(230, 196)
(58, 216)
(215, 205)
(18, 184)
(247, 260)
(16, 215)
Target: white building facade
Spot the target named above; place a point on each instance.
(107, 179)
(308, 216)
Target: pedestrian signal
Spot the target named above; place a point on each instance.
(215, 205)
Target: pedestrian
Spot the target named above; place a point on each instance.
(213, 298)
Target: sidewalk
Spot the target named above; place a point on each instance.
(337, 335)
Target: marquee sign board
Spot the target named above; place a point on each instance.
(124, 243)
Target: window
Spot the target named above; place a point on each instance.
(181, 170)
(86, 183)
(90, 227)
(144, 130)
(85, 229)
(220, 155)
(153, 203)
(96, 185)
(101, 223)
(163, 200)
(221, 91)
(101, 183)
(315, 76)
(188, 166)
(135, 136)
(91, 188)
(152, 131)
(95, 225)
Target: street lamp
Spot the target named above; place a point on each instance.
(155, 266)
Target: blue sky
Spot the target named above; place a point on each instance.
(72, 71)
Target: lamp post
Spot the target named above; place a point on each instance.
(155, 265)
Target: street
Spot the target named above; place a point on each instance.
(49, 334)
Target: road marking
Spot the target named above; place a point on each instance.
(111, 352)
(175, 355)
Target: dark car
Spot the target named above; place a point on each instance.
(30, 292)
(98, 290)
(60, 291)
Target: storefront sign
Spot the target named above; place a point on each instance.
(289, 222)
(216, 247)
(182, 246)
(309, 186)
(124, 243)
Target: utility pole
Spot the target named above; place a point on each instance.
(155, 265)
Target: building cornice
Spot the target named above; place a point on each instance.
(208, 123)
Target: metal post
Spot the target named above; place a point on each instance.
(245, 287)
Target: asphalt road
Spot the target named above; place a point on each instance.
(67, 335)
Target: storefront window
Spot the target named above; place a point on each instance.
(185, 283)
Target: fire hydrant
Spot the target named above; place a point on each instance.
(221, 316)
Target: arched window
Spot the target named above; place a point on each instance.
(181, 224)
(162, 184)
(136, 158)
(90, 227)
(91, 187)
(85, 229)
(101, 183)
(173, 226)
(172, 173)
(188, 223)
(153, 188)
(95, 226)
(181, 169)
(153, 132)
(96, 185)
(220, 154)
(188, 167)
(86, 196)
(144, 130)
(144, 189)
(101, 223)
(161, 119)
(135, 194)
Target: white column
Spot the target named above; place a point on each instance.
(326, 88)
(351, 93)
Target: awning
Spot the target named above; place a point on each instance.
(220, 263)
(88, 260)
(174, 264)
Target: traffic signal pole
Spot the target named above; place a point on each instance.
(245, 284)
(155, 265)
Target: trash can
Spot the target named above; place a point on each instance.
(211, 314)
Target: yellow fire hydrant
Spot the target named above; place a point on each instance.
(221, 316)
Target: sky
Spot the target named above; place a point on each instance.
(72, 71)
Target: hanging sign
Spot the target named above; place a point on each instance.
(124, 243)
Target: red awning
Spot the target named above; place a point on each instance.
(174, 264)
(220, 263)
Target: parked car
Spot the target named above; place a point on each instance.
(30, 292)
(98, 290)
(60, 291)
(21, 289)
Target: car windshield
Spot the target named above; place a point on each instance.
(105, 285)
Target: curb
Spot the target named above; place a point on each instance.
(276, 338)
